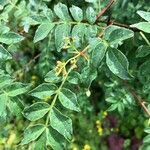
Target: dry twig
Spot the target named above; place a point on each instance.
(141, 102)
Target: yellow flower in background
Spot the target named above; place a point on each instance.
(98, 122)
(34, 77)
(117, 129)
(100, 131)
(99, 127)
(86, 147)
(105, 113)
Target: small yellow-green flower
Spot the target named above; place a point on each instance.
(67, 43)
(100, 131)
(116, 129)
(75, 148)
(60, 68)
(98, 122)
(86, 147)
(34, 77)
(105, 113)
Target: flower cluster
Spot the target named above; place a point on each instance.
(60, 68)
(34, 79)
(99, 127)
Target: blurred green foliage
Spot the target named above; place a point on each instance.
(72, 80)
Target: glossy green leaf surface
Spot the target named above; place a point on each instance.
(117, 63)
(36, 111)
(144, 26)
(77, 13)
(43, 31)
(61, 123)
(68, 99)
(32, 133)
(43, 91)
(10, 38)
(4, 54)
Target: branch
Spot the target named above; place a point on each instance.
(138, 98)
(122, 25)
(31, 61)
(141, 102)
(111, 22)
(104, 10)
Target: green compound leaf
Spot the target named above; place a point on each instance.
(4, 54)
(68, 99)
(145, 15)
(77, 13)
(42, 31)
(119, 35)
(117, 63)
(90, 15)
(36, 111)
(61, 123)
(32, 133)
(10, 38)
(61, 11)
(43, 91)
(54, 139)
(61, 32)
(144, 26)
(98, 52)
(17, 88)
